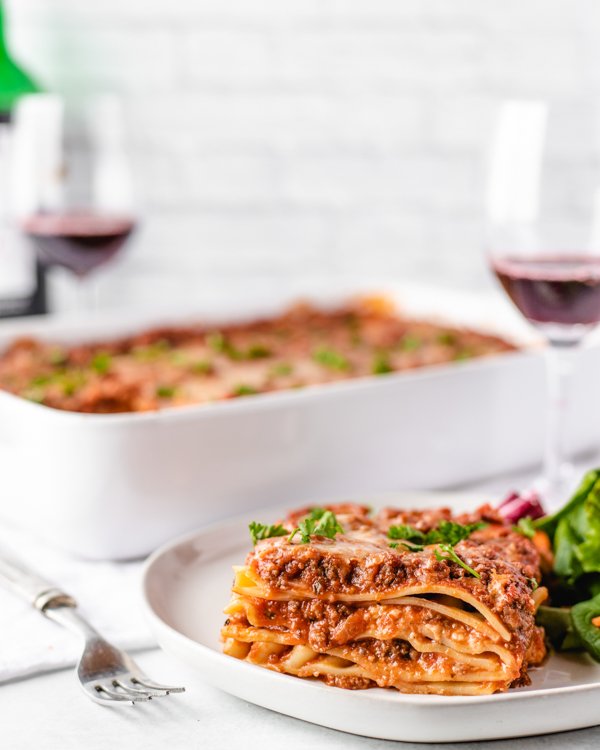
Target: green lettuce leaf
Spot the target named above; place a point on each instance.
(575, 534)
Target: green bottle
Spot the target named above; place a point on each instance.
(14, 81)
(30, 299)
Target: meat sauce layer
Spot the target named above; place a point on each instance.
(360, 561)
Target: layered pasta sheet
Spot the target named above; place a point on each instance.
(355, 612)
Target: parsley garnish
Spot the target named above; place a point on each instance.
(165, 391)
(446, 338)
(331, 359)
(221, 345)
(216, 341)
(282, 368)
(446, 536)
(258, 351)
(71, 382)
(57, 356)
(410, 343)
(244, 390)
(37, 395)
(259, 531)
(408, 534)
(526, 527)
(202, 367)
(533, 583)
(319, 522)
(101, 363)
(151, 352)
(453, 557)
(447, 532)
(381, 365)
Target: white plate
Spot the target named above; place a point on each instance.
(187, 585)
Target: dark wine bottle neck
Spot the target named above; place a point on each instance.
(3, 46)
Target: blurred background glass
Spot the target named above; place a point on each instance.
(548, 263)
(75, 198)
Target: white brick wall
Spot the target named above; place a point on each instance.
(288, 141)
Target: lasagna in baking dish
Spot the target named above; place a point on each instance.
(179, 366)
(420, 601)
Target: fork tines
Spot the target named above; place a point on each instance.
(130, 689)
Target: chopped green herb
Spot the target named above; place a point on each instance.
(152, 351)
(69, 387)
(446, 535)
(40, 380)
(463, 355)
(258, 351)
(319, 522)
(282, 368)
(259, 531)
(447, 532)
(526, 527)
(216, 341)
(410, 546)
(410, 343)
(57, 356)
(451, 556)
(407, 534)
(244, 390)
(381, 365)
(101, 362)
(533, 583)
(179, 358)
(37, 395)
(165, 391)
(220, 344)
(202, 367)
(353, 324)
(446, 338)
(452, 533)
(71, 382)
(331, 359)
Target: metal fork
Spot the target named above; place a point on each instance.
(107, 674)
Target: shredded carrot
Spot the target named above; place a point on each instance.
(596, 621)
(542, 542)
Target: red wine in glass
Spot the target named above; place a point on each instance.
(79, 241)
(553, 289)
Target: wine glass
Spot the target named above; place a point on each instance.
(76, 200)
(543, 242)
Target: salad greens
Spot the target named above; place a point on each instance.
(586, 624)
(575, 535)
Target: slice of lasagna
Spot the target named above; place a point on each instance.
(420, 601)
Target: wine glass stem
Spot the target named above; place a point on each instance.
(86, 295)
(559, 369)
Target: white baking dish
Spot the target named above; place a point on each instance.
(116, 486)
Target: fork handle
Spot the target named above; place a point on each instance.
(36, 590)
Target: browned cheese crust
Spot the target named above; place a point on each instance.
(167, 367)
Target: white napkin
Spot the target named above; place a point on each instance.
(108, 595)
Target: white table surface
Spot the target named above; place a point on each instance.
(49, 712)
